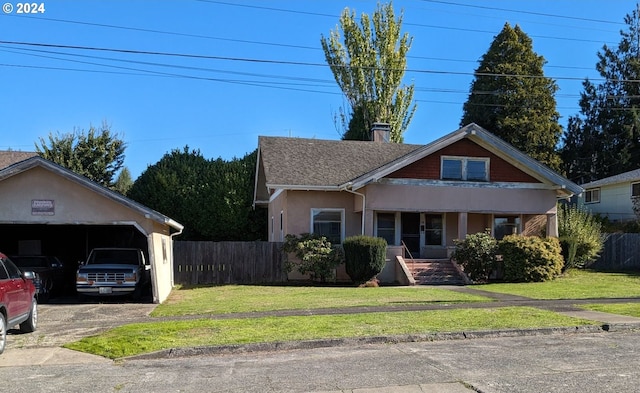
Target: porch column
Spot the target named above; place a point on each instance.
(552, 225)
(462, 225)
(368, 222)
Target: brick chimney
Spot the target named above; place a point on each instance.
(381, 132)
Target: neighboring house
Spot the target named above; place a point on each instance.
(612, 197)
(424, 196)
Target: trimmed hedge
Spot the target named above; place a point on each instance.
(364, 257)
(530, 258)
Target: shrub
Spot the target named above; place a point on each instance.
(580, 236)
(477, 255)
(530, 258)
(364, 257)
(315, 254)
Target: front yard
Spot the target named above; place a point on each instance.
(205, 316)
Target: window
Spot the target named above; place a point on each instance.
(503, 226)
(465, 168)
(3, 273)
(387, 227)
(433, 229)
(281, 225)
(328, 223)
(635, 190)
(593, 195)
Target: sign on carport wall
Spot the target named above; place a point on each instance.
(43, 207)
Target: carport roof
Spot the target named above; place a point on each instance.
(37, 161)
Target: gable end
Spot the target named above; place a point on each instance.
(428, 168)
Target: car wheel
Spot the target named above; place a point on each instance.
(31, 323)
(3, 332)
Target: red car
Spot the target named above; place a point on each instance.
(18, 304)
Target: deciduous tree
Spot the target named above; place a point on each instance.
(368, 60)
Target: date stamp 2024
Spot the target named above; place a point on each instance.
(24, 8)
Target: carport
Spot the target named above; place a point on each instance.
(46, 209)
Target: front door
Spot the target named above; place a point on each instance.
(411, 232)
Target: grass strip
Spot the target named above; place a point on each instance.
(141, 338)
(628, 309)
(574, 284)
(250, 298)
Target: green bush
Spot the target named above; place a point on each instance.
(477, 255)
(364, 257)
(580, 235)
(315, 255)
(530, 258)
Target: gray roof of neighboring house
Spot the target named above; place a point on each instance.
(10, 157)
(626, 177)
(315, 162)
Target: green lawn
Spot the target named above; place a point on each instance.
(251, 298)
(148, 337)
(630, 309)
(575, 284)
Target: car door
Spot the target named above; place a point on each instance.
(17, 291)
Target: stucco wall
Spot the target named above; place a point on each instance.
(72, 202)
(465, 199)
(300, 203)
(161, 253)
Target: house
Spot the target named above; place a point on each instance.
(612, 197)
(46, 209)
(422, 196)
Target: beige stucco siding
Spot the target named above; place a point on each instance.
(460, 199)
(73, 203)
(300, 203)
(161, 251)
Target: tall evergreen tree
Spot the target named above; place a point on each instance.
(512, 98)
(604, 139)
(369, 67)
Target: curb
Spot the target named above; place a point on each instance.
(337, 342)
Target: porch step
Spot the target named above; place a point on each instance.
(434, 272)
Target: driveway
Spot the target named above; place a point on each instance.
(62, 321)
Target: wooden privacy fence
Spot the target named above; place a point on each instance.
(621, 251)
(197, 263)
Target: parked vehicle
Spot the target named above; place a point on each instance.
(18, 305)
(112, 272)
(49, 273)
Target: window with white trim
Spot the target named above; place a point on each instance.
(386, 227)
(328, 223)
(433, 229)
(464, 168)
(592, 195)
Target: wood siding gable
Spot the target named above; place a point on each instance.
(428, 168)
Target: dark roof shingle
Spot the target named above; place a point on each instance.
(314, 162)
(10, 157)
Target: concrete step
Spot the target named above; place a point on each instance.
(435, 272)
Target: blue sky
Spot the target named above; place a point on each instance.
(214, 75)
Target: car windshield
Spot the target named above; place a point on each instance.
(119, 257)
(29, 261)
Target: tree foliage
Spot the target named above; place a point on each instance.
(369, 66)
(512, 98)
(604, 138)
(211, 198)
(580, 236)
(97, 154)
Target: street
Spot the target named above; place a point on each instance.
(584, 362)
